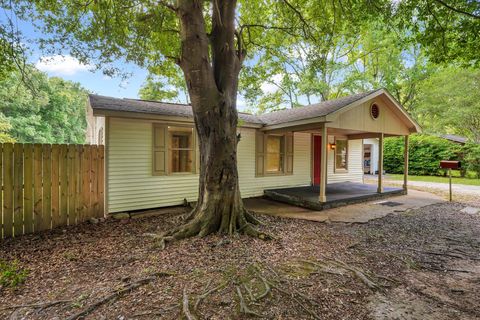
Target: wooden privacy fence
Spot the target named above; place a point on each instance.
(46, 186)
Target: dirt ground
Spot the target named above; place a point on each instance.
(419, 264)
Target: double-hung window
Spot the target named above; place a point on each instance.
(181, 150)
(174, 149)
(274, 154)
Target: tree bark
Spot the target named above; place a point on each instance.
(211, 65)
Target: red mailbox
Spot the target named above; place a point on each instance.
(448, 164)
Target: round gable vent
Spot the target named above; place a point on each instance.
(374, 111)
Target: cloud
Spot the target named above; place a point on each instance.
(270, 87)
(62, 65)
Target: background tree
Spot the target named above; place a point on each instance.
(167, 89)
(449, 102)
(383, 58)
(208, 41)
(53, 113)
(5, 127)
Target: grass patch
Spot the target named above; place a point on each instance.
(455, 180)
(11, 275)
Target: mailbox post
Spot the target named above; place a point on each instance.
(449, 164)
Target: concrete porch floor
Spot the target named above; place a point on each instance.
(353, 213)
(338, 194)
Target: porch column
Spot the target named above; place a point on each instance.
(380, 164)
(405, 164)
(323, 165)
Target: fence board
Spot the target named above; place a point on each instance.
(63, 185)
(55, 187)
(101, 180)
(85, 172)
(46, 186)
(28, 188)
(39, 223)
(8, 190)
(78, 183)
(1, 192)
(18, 189)
(94, 180)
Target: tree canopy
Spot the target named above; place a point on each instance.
(53, 113)
(449, 102)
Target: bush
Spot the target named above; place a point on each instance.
(11, 274)
(472, 158)
(425, 154)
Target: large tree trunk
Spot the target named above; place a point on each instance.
(211, 64)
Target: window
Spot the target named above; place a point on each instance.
(374, 111)
(341, 154)
(174, 150)
(275, 153)
(181, 149)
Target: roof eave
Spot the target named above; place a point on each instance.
(99, 112)
(292, 124)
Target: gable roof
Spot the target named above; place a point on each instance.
(103, 104)
(312, 111)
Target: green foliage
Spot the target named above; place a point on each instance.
(449, 102)
(5, 127)
(448, 30)
(425, 154)
(472, 158)
(53, 113)
(167, 89)
(11, 275)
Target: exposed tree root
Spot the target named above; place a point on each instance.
(40, 305)
(126, 289)
(199, 226)
(186, 306)
(340, 268)
(244, 306)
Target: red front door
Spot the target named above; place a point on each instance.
(317, 156)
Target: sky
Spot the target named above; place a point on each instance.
(69, 68)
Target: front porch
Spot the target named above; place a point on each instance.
(337, 194)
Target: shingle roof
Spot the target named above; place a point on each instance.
(182, 110)
(455, 138)
(153, 107)
(312, 111)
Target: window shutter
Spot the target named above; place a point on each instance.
(259, 153)
(159, 149)
(289, 153)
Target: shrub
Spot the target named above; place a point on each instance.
(11, 274)
(472, 158)
(425, 154)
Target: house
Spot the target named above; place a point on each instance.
(152, 156)
(455, 139)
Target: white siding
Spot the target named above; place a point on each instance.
(355, 166)
(251, 186)
(131, 185)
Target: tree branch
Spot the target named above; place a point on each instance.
(168, 5)
(446, 5)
